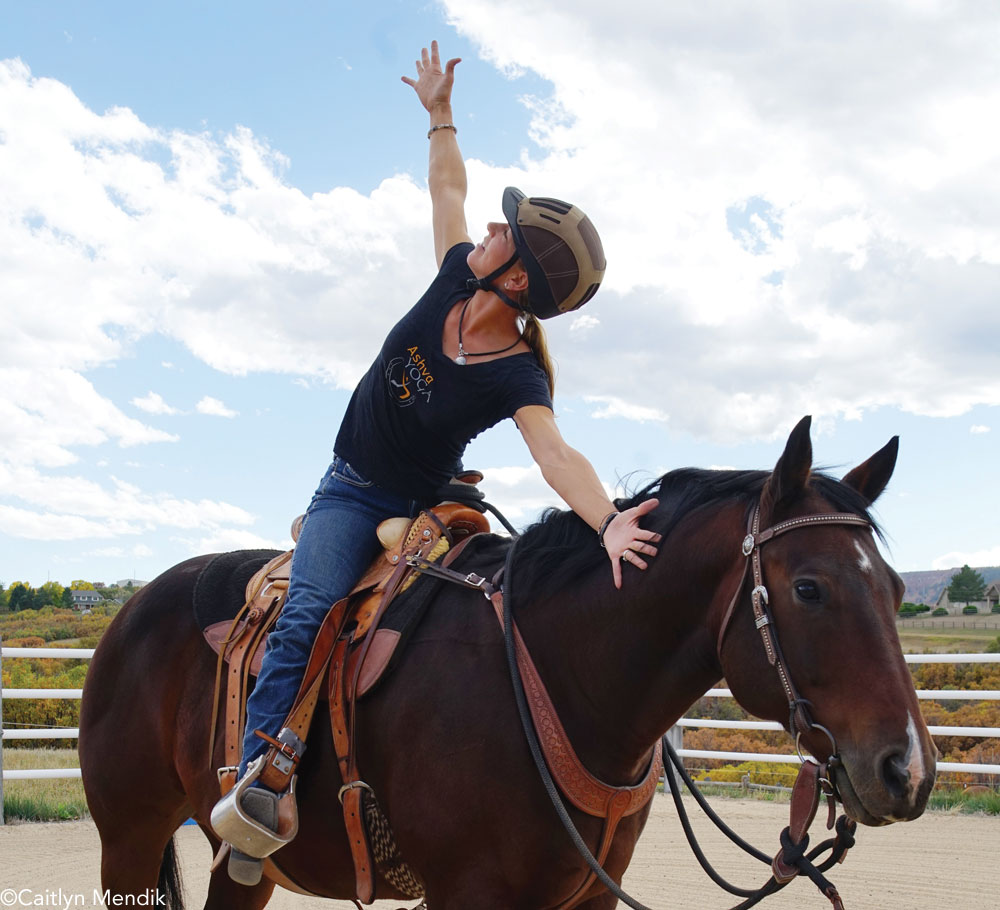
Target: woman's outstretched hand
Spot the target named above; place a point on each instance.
(625, 540)
(433, 85)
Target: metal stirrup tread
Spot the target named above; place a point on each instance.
(262, 806)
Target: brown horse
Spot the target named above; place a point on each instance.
(440, 739)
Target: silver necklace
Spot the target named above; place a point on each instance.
(463, 354)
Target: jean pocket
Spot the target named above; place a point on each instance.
(343, 472)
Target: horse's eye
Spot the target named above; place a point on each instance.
(807, 591)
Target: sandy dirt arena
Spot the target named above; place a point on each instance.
(941, 860)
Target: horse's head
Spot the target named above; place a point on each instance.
(833, 600)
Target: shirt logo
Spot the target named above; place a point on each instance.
(409, 379)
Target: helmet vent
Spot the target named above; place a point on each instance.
(549, 218)
(553, 205)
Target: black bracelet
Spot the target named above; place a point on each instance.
(610, 517)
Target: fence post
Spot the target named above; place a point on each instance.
(1, 731)
(671, 779)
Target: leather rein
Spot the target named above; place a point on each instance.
(814, 777)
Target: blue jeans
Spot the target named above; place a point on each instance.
(336, 545)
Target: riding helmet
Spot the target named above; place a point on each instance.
(560, 250)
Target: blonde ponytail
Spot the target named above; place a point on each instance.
(534, 335)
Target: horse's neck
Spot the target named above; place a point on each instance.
(623, 666)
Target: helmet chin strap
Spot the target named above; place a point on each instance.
(486, 284)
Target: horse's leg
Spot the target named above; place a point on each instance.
(134, 796)
(225, 894)
(136, 697)
(139, 860)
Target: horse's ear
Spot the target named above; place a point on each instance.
(791, 473)
(871, 478)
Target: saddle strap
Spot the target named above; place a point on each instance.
(245, 641)
(342, 728)
(582, 789)
(275, 776)
(278, 771)
(616, 811)
(586, 792)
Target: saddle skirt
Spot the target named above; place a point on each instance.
(430, 534)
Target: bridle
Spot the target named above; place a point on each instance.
(800, 721)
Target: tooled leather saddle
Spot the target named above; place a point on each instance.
(350, 651)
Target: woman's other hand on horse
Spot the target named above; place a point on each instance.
(626, 541)
(433, 85)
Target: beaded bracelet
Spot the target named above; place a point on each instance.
(442, 126)
(610, 517)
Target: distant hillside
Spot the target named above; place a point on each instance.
(926, 587)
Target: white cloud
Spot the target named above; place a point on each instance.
(583, 324)
(521, 493)
(73, 507)
(214, 408)
(34, 525)
(112, 552)
(47, 413)
(630, 410)
(989, 556)
(864, 264)
(977, 429)
(153, 403)
(232, 539)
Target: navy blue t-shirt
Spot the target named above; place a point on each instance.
(415, 410)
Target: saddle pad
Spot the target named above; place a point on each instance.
(220, 590)
(484, 555)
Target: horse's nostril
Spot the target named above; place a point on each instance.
(896, 775)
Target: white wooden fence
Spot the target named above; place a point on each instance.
(926, 694)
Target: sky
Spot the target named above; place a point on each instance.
(211, 214)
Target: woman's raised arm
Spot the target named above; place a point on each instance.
(446, 170)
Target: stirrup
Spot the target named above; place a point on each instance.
(231, 822)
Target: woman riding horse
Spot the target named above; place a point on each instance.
(470, 353)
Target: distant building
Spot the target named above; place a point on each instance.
(134, 582)
(990, 598)
(84, 599)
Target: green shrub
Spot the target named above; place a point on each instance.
(940, 611)
(970, 610)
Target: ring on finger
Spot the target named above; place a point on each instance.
(627, 556)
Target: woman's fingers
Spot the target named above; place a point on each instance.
(637, 539)
(632, 558)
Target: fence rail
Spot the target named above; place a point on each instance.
(925, 694)
(928, 622)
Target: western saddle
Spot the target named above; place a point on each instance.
(350, 651)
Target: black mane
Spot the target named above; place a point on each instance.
(560, 546)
